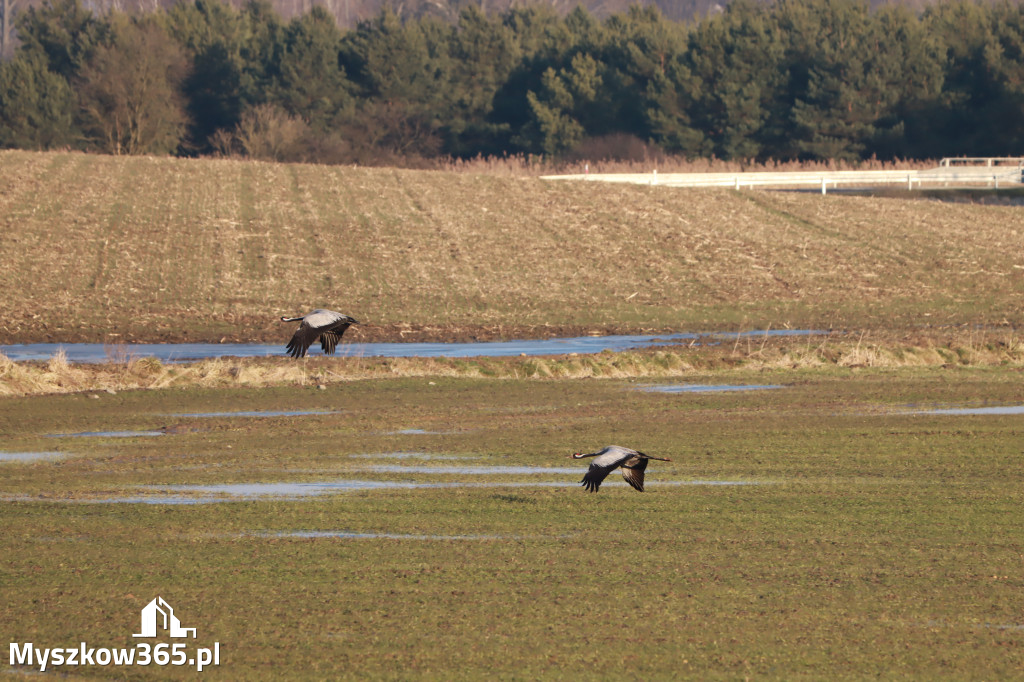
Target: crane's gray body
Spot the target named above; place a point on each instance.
(327, 326)
(632, 462)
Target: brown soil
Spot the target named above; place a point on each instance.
(129, 249)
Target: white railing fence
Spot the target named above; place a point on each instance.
(1016, 161)
(961, 172)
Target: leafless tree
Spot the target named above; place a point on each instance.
(269, 132)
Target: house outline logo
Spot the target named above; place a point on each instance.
(170, 622)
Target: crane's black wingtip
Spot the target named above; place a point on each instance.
(295, 349)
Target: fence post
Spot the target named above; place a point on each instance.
(823, 187)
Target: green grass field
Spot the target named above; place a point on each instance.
(865, 542)
(833, 527)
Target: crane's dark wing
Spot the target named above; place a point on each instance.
(633, 472)
(329, 339)
(595, 474)
(301, 341)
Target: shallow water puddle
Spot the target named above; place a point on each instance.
(285, 491)
(706, 388)
(230, 492)
(108, 434)
(30, 456)
(256, 413)
(292, 490)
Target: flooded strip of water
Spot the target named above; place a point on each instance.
(189, 352)
(706, 388)
(107, 434)
(31, 456)
(283, 489)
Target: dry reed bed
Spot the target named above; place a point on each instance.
(522, 165)
(59, 376)
(108, 249)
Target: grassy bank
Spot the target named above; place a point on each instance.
(110, 249)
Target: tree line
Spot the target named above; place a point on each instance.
(788, 80)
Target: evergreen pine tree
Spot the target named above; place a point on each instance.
(310, 83)
(36, 105)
